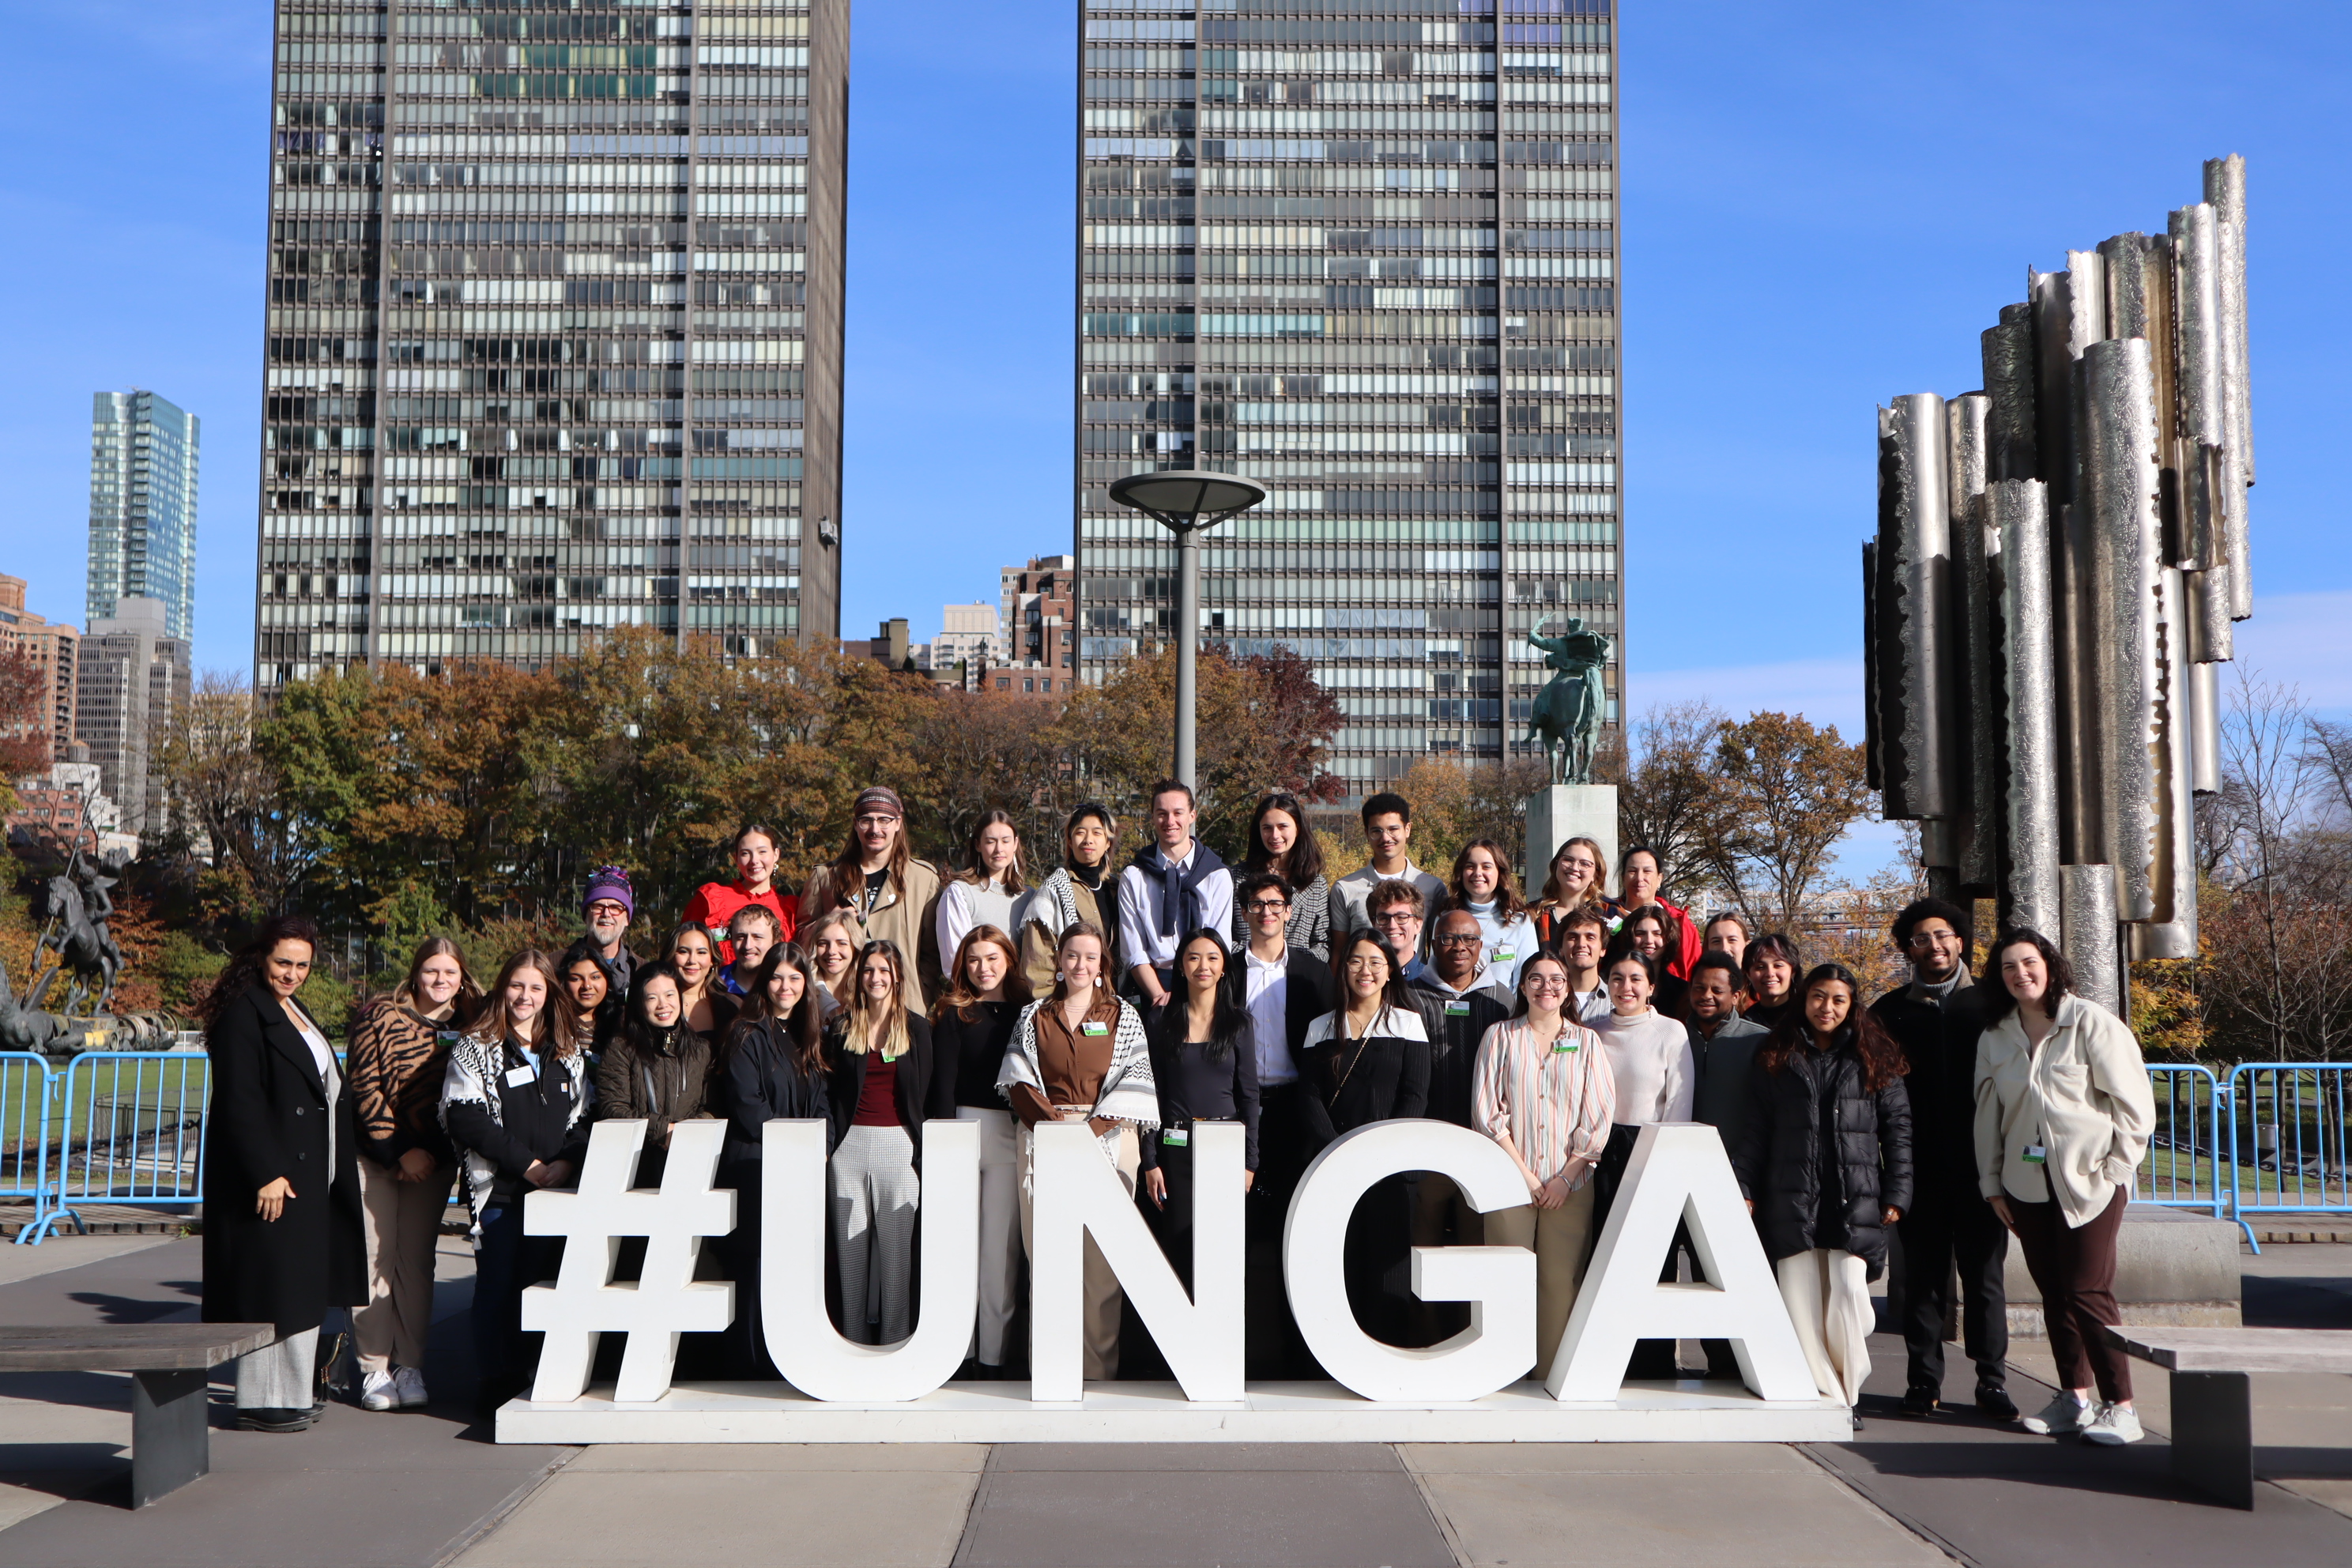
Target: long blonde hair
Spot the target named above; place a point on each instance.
(463, 1004)
(494, 1025)
(860, 1028)
(1554, 895)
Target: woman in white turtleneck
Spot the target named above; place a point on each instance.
(1482, 885)
(1651, 1062)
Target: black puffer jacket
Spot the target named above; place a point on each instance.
(1778, 1159)
(1939, 1041)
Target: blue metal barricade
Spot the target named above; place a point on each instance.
(2184, 1167)
(130, 1130)
(25, 1087)
(2287, 1130)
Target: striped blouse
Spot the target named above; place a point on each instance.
(1555, 1101)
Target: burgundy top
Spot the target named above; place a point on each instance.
(876, 1103)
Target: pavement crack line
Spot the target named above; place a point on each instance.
(505, 1507)
(979, 1501)
(1818, 1453)
(1437, 1515)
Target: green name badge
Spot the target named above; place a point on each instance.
(1458, 1009)
(1094, 1029)
(2035, 1154)
(1176, 1139)
(1505, 954)
(1563, 1044)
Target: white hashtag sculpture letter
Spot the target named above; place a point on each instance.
(653, 1310)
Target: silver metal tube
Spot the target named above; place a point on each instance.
(2171, 930)
(1976, 718)
(1188, 646)
(2205, 726)
(2225, 189)
(2009, 381)
(2031, 766)
(1917, 644)
(2089, 940)
(2132, 302)
(2121, 670)
(2199, 416)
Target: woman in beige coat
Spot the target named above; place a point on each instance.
(2063, 1114)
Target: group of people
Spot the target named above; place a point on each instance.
(1145, 1001)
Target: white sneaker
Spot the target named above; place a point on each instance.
(2063, 1413)
(411, 1386)
(2112, 1426)
(378, 1391)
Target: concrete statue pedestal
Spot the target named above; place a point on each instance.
(1559, 813)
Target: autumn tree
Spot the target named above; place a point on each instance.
(25, 719)
(221, 781)
(1786, 794)
(1670, 796)
(1456, 801)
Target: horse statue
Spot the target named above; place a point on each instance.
(1568, 710)
(74, 907)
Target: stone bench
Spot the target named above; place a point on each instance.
(170, 1366)
(2175, 1268)
(2212, 1400)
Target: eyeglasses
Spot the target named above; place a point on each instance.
(1935, 939)
(1547, 982)
(1267, 907)
(1395, 918)
(1459, 939)
(1360, 965)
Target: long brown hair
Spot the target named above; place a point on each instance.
(1303, 862)
(845, 873)
(1507, 907)
(464, 1004)
(801, 1029)
(1596, 895)
(495, 1023)
(251, 964)
(959, 994)
(861, 1029)
(1882, 1058)
(972, 871)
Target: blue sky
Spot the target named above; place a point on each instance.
(1823, 206)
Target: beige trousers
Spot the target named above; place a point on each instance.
(1561, 1239)
(403, 1225)
(1001, 1231)
(1103, 1296)
(1827, 1293)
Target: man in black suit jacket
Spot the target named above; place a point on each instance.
(1285, 989)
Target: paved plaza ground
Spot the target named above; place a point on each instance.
(416, 1490)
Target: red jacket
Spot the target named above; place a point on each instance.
(714, 905)
(1680, 967)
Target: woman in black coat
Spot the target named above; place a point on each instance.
(771, 1068)
(1826, 1163)
(283, 1240)
(1367, 1062)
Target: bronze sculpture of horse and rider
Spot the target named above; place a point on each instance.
(1566, 713)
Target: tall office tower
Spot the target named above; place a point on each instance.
(133, 677)
(142, 506)
(1365, 252)
(555, 338)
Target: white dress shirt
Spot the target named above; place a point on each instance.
(1269, 1009)
(1140, 941)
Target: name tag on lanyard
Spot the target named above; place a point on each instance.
(522, 1077)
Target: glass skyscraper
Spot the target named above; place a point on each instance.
(1364, 251)
(142, 506)
(554, 327)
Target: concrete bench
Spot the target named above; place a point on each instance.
(170, 1366)
(2212, 1400)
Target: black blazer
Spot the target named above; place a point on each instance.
(1352, 1083)
(1307, 994)
(270, 1119)
(919, 1093)
(758, 1084)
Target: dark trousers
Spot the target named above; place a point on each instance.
(1173, 1223)
(2075, 1270)
(1273, 1346)
(508, 1260)
(1946, 1229)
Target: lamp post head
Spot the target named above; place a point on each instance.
(1187, 498)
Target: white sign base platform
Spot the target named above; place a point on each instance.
(1682, 1412)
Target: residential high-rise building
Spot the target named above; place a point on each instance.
(1364, 251)
(1040, 618)
(142, 506)
(134, 679)
(554, 335)
(52, 645)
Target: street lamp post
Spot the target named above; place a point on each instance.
(1188, 502)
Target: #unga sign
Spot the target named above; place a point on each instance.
(1470, 1386)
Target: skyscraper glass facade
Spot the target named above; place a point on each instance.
(1364, 251)
(554, 327)
(142, 506)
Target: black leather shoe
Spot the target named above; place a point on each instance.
(1857, 1423)
(1921, 1402)
(1995, 1401)
(260, 1418)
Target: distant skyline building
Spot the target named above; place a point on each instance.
(142, 506)
(555, 328)
(1040, 623)
(970, 636)
(1365, 254)
(54, 646)
(134, 677)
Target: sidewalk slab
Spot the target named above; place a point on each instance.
(1087, 1505)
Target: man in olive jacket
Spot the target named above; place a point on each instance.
(1937, 1020)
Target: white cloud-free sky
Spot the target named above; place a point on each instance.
(1823, 206)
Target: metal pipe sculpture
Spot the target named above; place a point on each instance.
(2058, 561)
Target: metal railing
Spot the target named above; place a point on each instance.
(130, 1130)
(27, 1086)
(2287, 1130)
(2184, 1167)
